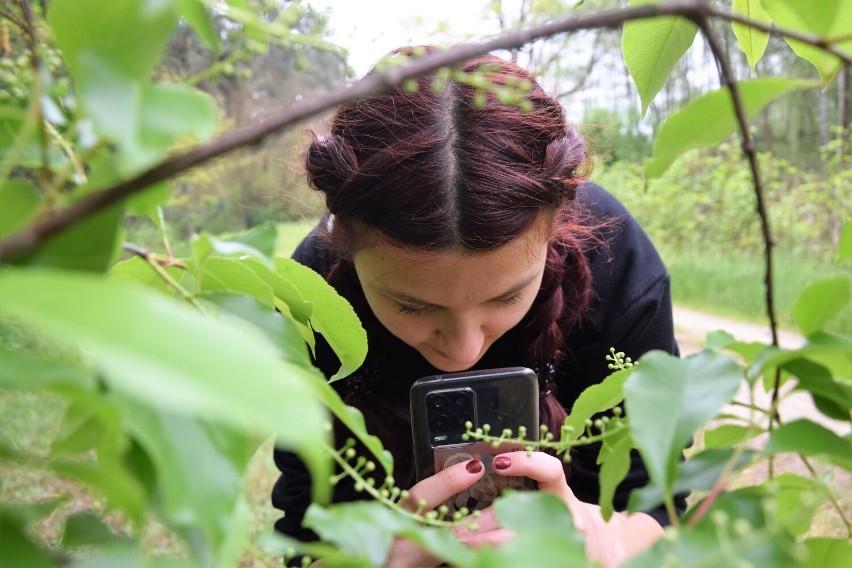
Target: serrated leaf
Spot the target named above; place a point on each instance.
(691, 390)
(826, 19)
(710, 118)
(174, 358)
(811, 439)
(820, 302)
(596, 398)
(332, 316)
(652, 47)
(752, 41)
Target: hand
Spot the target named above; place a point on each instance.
(610, 543)
(434, 491)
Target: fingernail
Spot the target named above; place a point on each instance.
(502, 462)
(474, 466)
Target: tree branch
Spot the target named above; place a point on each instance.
(32, 236)
(727, 79)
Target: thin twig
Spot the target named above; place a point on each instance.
(157, 265)
(375, 82)
(727, 79)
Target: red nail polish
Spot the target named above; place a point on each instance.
(502, 462)
(474, 466)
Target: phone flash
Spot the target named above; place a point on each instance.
(441, 438)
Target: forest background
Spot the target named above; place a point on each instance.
(700, 213)
(712, 249)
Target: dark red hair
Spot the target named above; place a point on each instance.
(448, 167)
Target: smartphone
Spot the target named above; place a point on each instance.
(442, 404)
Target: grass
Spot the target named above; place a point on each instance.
(732, 285)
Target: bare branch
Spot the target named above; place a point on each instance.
(727, 79)
(375, 82)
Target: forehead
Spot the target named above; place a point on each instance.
(452, 277)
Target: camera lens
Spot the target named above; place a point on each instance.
(438, 403)
(461, 401)
(461, 418)
(440, 423)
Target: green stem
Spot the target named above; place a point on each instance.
(163, 273)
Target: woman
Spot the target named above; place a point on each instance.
(465, 236)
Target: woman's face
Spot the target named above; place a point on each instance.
(451, 307)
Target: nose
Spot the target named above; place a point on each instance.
(462, 339)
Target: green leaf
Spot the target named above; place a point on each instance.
(698, 473)
(297, 307)
(175, 358)
(832, 398)
(18, 549)
(596, 398)
(217, 274)
(196, 15)
(828, 552)
(112, 481)
(361, 528)
(282, 331)
(261, 238)
(703, 543)
(332, 316)
(709, 119)
(544, 533)
(110, 53)
(136, 269)
(147, 202)
(752, 41)
(796, 500)
(691, 390)
(19, 369)
(832, 352)
(810, 439)
(728, 435)
(19, 199)
(86, 529)
(844, 245)
(820, 302)
(828, 19)
(652, 48)
(201, 468)
(613, 471)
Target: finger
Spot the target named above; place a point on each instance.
(545, 469)
(436, 489)
(487, 538)
(548, 472)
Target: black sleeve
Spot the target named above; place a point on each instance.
(631, 311)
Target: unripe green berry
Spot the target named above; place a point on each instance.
(741, 527)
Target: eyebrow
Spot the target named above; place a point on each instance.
(405, 298)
